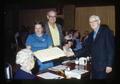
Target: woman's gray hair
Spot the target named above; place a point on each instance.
(24, 55)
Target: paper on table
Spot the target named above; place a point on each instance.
(68, 61)
(58, 68)
(80, 71)
(49, 54)
(75, 73)
(48, 75)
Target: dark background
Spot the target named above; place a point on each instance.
(11, 7)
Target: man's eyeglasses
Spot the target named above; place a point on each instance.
(93, 21)
(52, 16)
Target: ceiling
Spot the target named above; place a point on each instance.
(53, 3)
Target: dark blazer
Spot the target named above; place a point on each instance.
(20, 74)
(101, 49)
(47, 30)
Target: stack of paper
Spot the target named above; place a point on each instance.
(58, 68)
(75, 73)
(49, 75)
(68, 61)
(49, 54)
(80, 71)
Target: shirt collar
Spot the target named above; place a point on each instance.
(39, 35)
(51, 24)
(96, 30)
(24, 69)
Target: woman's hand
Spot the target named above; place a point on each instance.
(69, 54)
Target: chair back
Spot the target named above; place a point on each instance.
(8, 71)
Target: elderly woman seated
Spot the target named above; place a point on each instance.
(26, 61)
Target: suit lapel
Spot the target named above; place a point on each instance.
(59, 32)
(48, 31)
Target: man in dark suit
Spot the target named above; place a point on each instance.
(100, 46)
(53, 29)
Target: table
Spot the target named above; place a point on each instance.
(71, 66)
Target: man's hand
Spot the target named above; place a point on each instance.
(50, 47)
(28, 47)
(108, 69)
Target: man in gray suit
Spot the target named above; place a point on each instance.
(53, 29)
